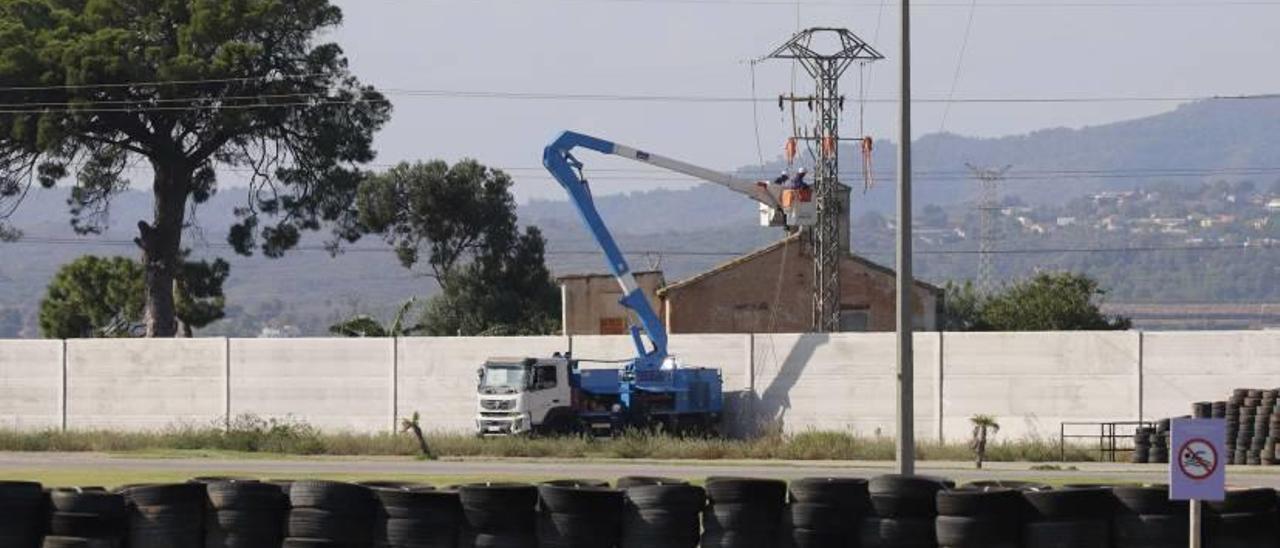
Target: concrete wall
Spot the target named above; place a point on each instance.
(335, 384)
(1181, 368)
(1034, 381)
(843, 382)
(145, 384)
(1030, 381)
(30, 384)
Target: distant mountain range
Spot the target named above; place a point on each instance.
(1198, 142)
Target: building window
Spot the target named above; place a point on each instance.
(855, 320)
(613, 326)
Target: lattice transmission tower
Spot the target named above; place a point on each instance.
(989, 224)
(825, 53)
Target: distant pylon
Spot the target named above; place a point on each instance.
(989, 228)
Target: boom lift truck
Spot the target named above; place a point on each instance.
(553, 395)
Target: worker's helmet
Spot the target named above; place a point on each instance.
(803, 171)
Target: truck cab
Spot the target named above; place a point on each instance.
(521, 395)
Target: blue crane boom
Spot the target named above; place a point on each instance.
(558, 158)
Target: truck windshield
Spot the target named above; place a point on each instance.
(502, 378)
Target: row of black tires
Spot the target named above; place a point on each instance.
(639, 512)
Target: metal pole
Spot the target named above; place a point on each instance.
(906, 373)
(1195, 524)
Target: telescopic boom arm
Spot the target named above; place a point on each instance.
(559, 160)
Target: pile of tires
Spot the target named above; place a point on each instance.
(578, 514)
(1142, 437)
(661, 512)
(415, 516)
(975, 517)
(244, 514)
(329, 512)
(905, 509)
(824, 512)
(1244, 438)
(1159, 452)
(743, 513)
(1076, 517)
(1202, 410)
(167, 515)
(87, 516)
(499, 515)
(1245, 518)
(1233, 426)
(1146, 518)
(22, 504)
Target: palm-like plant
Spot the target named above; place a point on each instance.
(984, 427)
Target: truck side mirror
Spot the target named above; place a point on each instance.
(480, 375)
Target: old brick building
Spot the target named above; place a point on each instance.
(768, 291)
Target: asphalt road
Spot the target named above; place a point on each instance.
(607, 469)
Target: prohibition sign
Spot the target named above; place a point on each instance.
(1197, 459)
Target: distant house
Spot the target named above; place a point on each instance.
(770, 291)
(1274, 204)
(1066, 221)
(589, 302)
(766, 291)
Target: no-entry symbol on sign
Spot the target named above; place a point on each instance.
(1198, 459)
(1196, 471)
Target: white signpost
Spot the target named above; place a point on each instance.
(1197, 466)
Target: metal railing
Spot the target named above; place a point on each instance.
(1106, 434)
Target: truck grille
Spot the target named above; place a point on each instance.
(497, 405)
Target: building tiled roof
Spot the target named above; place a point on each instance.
(794, 238)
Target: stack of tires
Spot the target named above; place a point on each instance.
(1245, 518)
(1142, 445)
(22, 514)
(1202, 410)
(416, 516)
(1146, 518)
(1218, 410)
(1068, 518)
(743, 513)
(85, 517)
(824, 512)
(1233, 427)
(499, 515)
(661, 512)
(330, 512)
(1262, 438)
(905, 511)
(979, 518)
(578, 514)
(1273, 439)
(244, 514)
(1160, 443)
(164, 516)
(1244, 438)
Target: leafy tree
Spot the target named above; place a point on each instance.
(93, 297)
(190, 87)
(447, 213)
(1061, 301)
(103, 297)
(509, 293)
(363, 325)
(962, 307)
(460, 221)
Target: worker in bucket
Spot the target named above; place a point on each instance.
(797, 182)
(782, 179)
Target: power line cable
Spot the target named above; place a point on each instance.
(955, 78)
